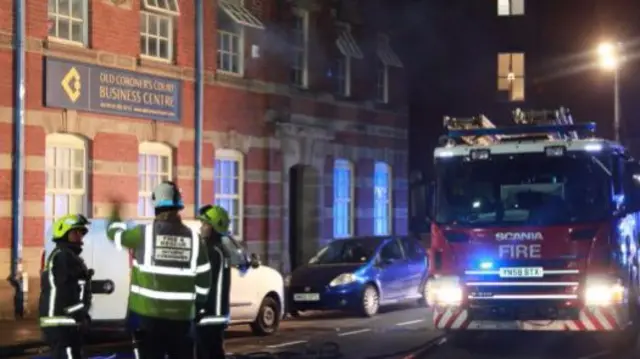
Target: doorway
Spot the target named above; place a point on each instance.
(304, 214)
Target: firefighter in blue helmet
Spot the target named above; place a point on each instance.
(65, 297)
(213, 315)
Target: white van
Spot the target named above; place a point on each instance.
(257, 291)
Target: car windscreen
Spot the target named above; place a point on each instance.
(522, 189)
(345, 251)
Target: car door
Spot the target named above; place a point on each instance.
(416, 264)
(243, 298)
(392, 266)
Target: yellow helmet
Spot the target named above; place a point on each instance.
(71, 221)
(217, 217)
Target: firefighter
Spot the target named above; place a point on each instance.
(213, 316)
(65, 297)
(170, 273)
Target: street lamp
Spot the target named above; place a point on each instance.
(610, 56)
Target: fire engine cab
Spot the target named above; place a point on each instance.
(534, 226)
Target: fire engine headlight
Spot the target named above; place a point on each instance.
(444, 291)
(603, 292)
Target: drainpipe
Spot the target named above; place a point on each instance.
(199, 100)
(16, 278)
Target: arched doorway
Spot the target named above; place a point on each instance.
(304, 215)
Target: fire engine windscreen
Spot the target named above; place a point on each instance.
(522, 189)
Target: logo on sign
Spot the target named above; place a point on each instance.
(71, 84)
(519, 236)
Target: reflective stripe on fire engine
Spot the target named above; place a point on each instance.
(545, 272)
(522, 284)
(155, 294)
(591, 319)
(526, 296)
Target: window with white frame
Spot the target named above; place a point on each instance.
(343, 76)
(510, 7)
(155, 165)
(382, 84)
(68, 20)
(65, 177)
(156, 29)
(382, 219)
(228, 187)
(343, 204)
(349, 50)
(511, 73)
(233, 17)
(300, 46)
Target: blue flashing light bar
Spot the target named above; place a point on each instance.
(524, 130)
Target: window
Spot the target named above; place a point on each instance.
(511, 75)
(382, 199)
(68, 20)
(65, 177)
(228, 182)
(391, 251)
(236, 254)
(412, 249)
(154, 166)
(343, 76)
(388, 58)
(382, 83)
(233, 17)
(300, 45)
(156, 29)
(343, 191)
(510, 7)
(349, 49)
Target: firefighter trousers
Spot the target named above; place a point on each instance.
(158, 338)
(210, 341)
(65, 342)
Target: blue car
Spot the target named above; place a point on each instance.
(360, 275)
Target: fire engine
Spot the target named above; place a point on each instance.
(534, 227)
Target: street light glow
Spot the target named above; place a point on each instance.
(609, 56)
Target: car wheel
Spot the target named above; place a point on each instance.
(268, 319)
(370, 301)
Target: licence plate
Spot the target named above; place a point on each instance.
(306, 297)
(522, 272)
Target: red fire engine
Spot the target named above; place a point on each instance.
(534, 226)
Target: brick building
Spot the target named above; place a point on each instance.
(304, 128)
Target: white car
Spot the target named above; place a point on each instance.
(257, 291)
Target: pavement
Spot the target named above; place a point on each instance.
(403, 332)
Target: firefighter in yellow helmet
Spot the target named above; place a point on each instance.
(213, 316)
(65, 296)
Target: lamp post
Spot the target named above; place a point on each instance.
(610, 56)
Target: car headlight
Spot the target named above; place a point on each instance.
(342, 279)
(444, 291)
(287, 280)
(601, 291)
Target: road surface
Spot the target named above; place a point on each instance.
(402, 333)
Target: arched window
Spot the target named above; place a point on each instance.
(155, 164)
(229, 187)
(343, 203)
(65, 177)
(382, 219)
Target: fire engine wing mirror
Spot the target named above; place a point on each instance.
(632, 187)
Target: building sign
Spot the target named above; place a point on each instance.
(92, 88)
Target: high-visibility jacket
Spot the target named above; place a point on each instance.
(171, 269)
(65, 288)
(215, 311)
